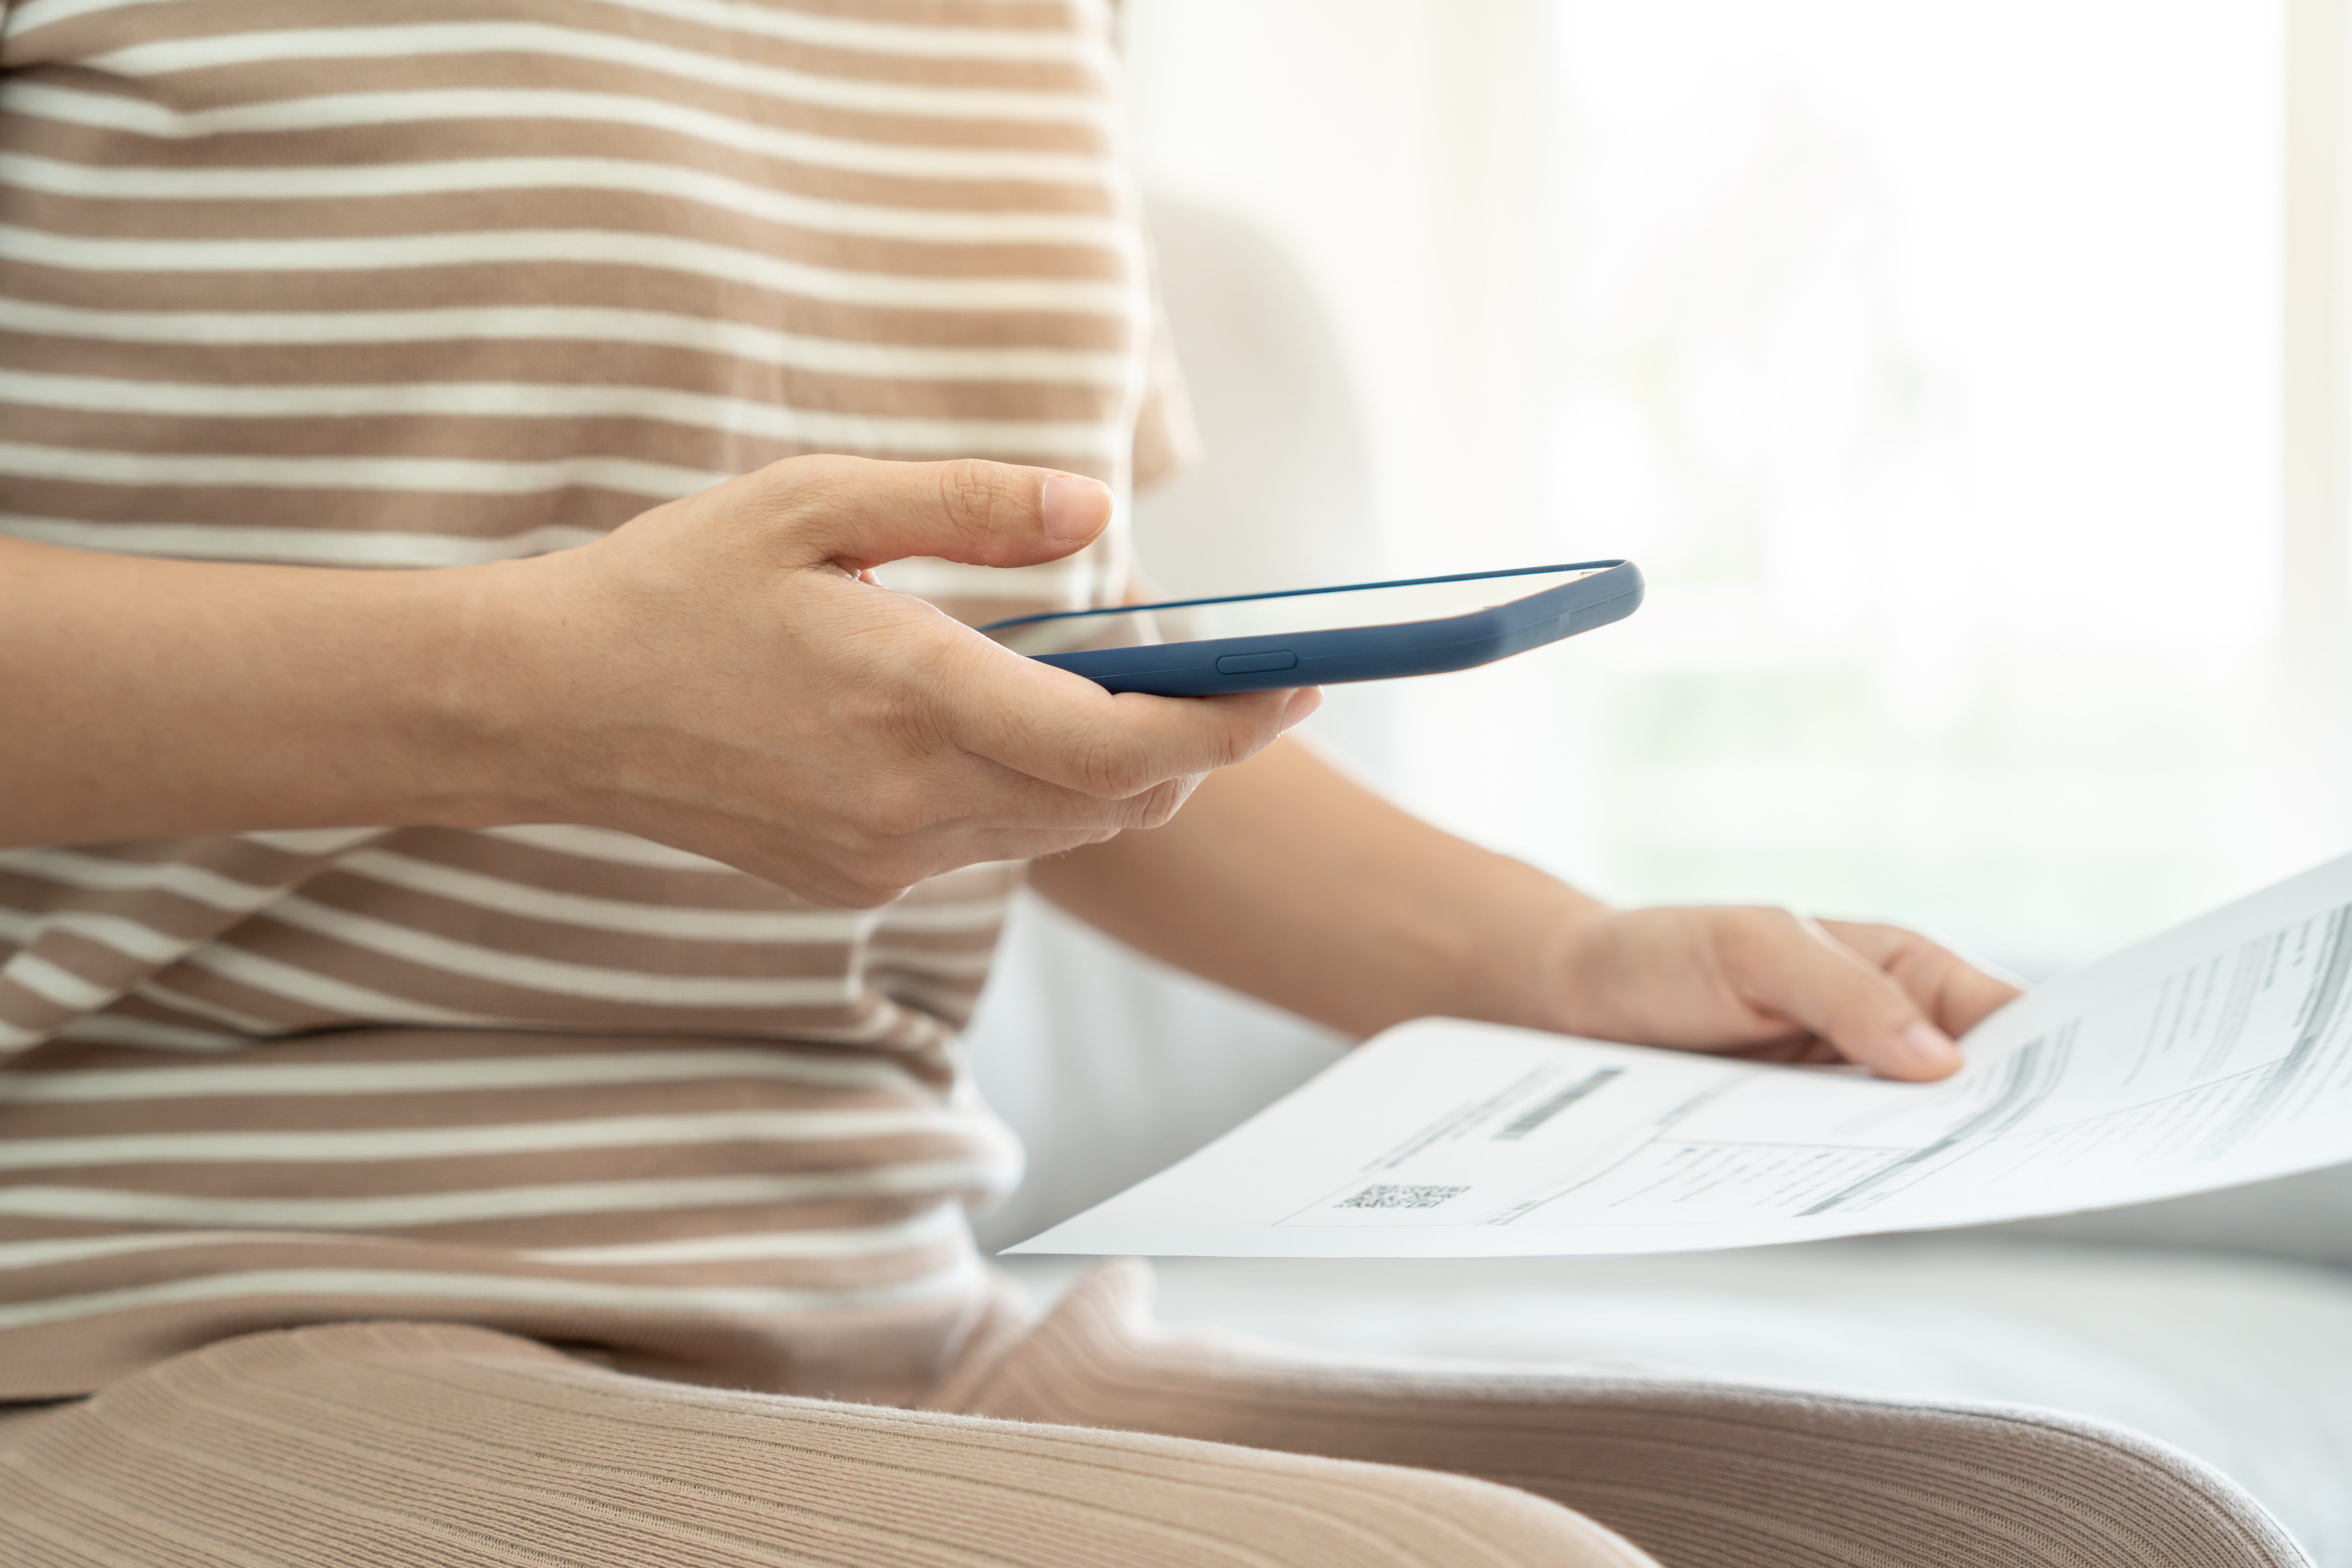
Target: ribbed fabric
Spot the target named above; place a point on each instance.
(1702, 1475)
(459, 281)
(420, 1446)
(404, 1445)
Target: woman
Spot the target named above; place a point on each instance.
(489, 1003)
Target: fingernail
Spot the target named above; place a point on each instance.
(1073, 507)
(1303, 702)
(1930, 1050)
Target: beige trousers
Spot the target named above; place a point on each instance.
(1093, 1439)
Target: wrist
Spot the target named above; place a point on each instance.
(1512, 961)
(1540, 982)
(484, 715)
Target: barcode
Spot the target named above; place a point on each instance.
(1390, 1198)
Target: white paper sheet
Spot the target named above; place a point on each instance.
(2216, 1053)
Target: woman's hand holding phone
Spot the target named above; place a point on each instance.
(720, 674)
(717, 675)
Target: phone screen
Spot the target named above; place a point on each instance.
(1275, 614)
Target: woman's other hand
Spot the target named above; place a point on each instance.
(1765, 983)
(1289, 880)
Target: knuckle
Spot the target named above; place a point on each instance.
(889, 814)
(1776, 928)
(1873, 1000)
(1111, 768)
(1746, 932)
(798, 489)
(903, 713)
(905, 720)
(1903, 948)
(1229, 746)
(808, 470)
(1157, 806)
(973, 496)
(1247, 731)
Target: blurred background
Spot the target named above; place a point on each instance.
(1933, 361)
(1968, 376)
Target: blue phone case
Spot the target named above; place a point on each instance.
(1353, 653)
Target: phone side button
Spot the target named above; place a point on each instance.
(1251, 663)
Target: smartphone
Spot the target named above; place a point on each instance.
(1321, 637)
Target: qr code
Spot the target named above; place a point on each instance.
(1401, 1197)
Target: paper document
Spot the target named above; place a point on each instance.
(2217, 1054)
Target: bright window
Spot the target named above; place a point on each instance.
(1927, 358)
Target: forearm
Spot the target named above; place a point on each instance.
(1285, 880)
(147, 697)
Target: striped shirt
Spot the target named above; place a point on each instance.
(460, 281)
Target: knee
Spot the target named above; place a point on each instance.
(1459, 1520)
(1337, 1512)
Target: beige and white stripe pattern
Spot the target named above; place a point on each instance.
(289, 281)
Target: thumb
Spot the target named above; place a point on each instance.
(1801, 973)
(860, 513)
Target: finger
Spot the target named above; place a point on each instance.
(1063, 728)
(1795, 1050)
(1004, 816)
(1955, 995)
(1011, 816)
(1795, 968)
(860, 513)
